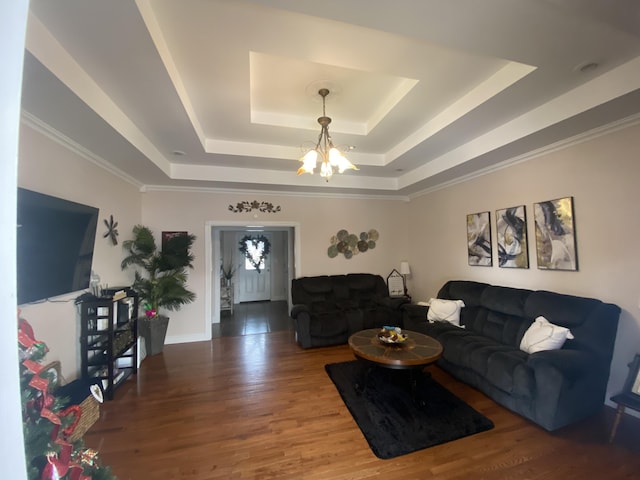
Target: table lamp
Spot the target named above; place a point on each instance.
(404, 271)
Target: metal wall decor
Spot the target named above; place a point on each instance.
(112, 230)
(555, 235)
(350, 244)
(246, 206)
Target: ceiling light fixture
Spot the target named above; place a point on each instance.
(329, 155)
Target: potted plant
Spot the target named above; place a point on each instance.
(160, 280)
(227, 274)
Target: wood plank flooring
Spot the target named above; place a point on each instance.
(260, 407)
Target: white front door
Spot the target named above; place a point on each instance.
(254, 286)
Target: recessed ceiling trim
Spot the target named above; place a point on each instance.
(275, 177)
(43, 128)
(387, 104)
(484, 91)
(525, 157)
(286, 152)
(270, 93)
(226, 147)
(306, 122)
(153, 27)
(44, 46)
(602, 89)
(278, 193)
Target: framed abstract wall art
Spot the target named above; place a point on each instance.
(555, 235)
(479, 239)
(511, 231)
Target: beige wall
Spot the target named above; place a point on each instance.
(429, 231)
(317, 219)
(602, 176)
(47, 167)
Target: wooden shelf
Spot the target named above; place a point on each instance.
(108, 332)
(226, 298)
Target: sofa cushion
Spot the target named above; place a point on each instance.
(467, 291)
(308, 290)
(510, 301)
(365, 289)
(543, 335)
(508, 371)
(564, 310)
(445, 310)
(322, 307)
(329, 325)
(499, 327)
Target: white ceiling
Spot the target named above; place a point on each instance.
(223, 93)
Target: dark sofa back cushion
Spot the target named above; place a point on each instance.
(467, 291)
(365, 288)
(330, 292)
(565, 310)
(310, 290)
(506, 300)
(592, 322)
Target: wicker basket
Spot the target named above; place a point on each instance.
(90, 407)
(90, 415)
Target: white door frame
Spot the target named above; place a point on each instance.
(212, 260)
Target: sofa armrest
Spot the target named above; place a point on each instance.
(570, 363)
(302, 324)
(393, 303)
(298, 309)
(569, 386)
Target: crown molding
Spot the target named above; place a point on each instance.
(61, 139)
(282, 193)
(532, 155)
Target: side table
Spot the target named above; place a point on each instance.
(226, 298)
(624, 400)
(630, 395)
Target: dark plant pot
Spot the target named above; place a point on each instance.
(154, 331)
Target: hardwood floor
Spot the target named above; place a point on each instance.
(260, 407)
(253, 317)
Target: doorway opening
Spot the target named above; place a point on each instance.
(252, 318)
(273, 283)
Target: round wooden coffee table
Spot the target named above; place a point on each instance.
(414, 354)
(417, 351)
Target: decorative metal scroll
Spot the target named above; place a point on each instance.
(246, 206)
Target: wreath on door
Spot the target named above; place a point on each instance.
(252, 251)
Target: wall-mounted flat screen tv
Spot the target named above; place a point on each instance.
(55, 239)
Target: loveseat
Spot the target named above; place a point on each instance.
(553, 388)
(328, 309)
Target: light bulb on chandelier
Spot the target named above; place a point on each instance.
(330, 156)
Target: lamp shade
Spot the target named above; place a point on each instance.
(404, 268)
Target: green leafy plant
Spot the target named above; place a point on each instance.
(227, 272)
(161, 277)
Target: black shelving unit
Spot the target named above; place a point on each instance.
(108, 337)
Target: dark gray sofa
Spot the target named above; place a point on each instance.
(328, 309)
(553, 388)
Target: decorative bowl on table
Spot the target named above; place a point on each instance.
(391, 335)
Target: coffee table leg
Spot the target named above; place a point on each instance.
(361, 386)
(414, 378)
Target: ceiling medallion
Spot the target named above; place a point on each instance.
(330, 156)
(246, 206)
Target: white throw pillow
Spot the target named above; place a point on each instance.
(544, 335)
(445, 310)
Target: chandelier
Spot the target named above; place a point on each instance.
(330, 156)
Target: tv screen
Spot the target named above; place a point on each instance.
(55, 240)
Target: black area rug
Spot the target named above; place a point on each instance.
(396, 421)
